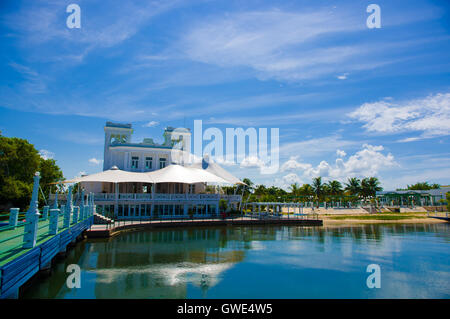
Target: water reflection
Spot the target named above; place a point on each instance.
(257, 262)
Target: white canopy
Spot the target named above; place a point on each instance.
(208, 165)
(113, 175)
(169, 174)
(182, 174)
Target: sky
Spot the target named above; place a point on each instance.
(348, 100)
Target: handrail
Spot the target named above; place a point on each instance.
(13, 237)
(20, 224)
(11, 248)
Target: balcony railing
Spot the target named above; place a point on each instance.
(99, 197)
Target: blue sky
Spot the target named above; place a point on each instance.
(348, 100)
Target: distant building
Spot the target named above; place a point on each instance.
(420, 197)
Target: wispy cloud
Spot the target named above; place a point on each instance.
(37, 24)
(151, 124)
(316, 146)
(33, 82)
(46, 154)
(429, 115)
(95, 161)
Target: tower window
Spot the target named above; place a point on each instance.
(134, 162)
(162, 162)
(148, 162)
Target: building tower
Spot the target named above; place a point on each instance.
(115, 133)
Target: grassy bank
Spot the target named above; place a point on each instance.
(380, 217)
(377, 217)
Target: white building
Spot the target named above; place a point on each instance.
(141, 200)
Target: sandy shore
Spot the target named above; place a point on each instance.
(328, 221)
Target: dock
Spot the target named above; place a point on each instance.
(28, 247)
(109, 230)
(439, 215)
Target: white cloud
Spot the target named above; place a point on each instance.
(38, 23)
(342, 76)
(33, 81)
(293, 164)
(252, 161)
(95, 161)
(316, 146)
(430, 115)
(273, 42)
(287, 180)
(151, 124)
(340, 153)
(45, 154)
(80, 174)
(368, 161)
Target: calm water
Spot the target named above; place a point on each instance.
(259, 262)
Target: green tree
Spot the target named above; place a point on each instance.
(448, 201)
(334, 188)
(248, 187)
(353, 186)
(295, 189)
(369, 186)
(260, 190)
(19, 160)
(306, 190)
(423, 186)
(318, 187)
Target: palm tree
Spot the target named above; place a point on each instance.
(318, 187)
(260, 190)
(335, 188)
(294, 189)
(306, 190)
(370, 186)
(248, 188)
(353, 186)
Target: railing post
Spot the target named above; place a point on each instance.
(54, 214)
(68, 209)
(55, 203)
(82, 205)
(32, 216)
(45, 215)
(76, 209)
(13, 216)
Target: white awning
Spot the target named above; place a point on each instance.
(169, 174)
(209, 166)
(114, 175)
(181, 174)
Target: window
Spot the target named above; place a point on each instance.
(134, 162)
(148, 162)
(191, 188)
(162, 162)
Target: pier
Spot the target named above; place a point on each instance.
(439, 215)
(29, 246)
(116, 227)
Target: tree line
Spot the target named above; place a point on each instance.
(19, 161)
(353, 190)
(318, 190)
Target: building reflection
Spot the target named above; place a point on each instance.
(162, 264)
